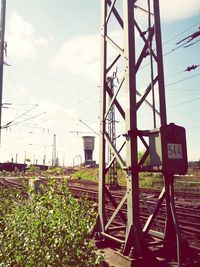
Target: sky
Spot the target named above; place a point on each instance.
(52, 81)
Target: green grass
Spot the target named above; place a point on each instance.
(86, 174)
(147, 180)
(187, 186)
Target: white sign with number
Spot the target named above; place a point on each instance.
(174, 151)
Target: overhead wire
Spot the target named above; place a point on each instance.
(89, 127)
(20, 104)
(19, 122)
(83, 100)
(56, 79)
(185, 102)
(50, 77)
(96, 92)
(186, 95)
(184, 79)
(188, 69)
(10, 122)
(15, 86)
(175, 48)
(60, 80)
(10, 106)
(180, 33)
(79, 102)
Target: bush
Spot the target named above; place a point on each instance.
(52, 229)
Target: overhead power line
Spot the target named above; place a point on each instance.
(193, 67)
(188, 69)
(88, 127)
(185, 102)
(190, 37)
(50, 77)
(185, 41)
(10, 122)
(184, 79)
(180, 33)
(175, 48)
(83, 100)
(19, 122)
(172, 50)
(79, 132)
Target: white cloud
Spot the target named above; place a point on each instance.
(56, 115)
(78, 55)
(37, 137)
(175, 10)
(81, 55)
(180, 9)
(50, 36)
(22, 38)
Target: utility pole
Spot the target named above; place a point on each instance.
(63, 161)
(44, 158)
(25, 157)
(2, 48)
(54, 151)
(164, 144)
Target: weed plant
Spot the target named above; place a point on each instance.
(49, 229)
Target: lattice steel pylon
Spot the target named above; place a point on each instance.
(136, 44)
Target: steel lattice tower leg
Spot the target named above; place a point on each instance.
(130, 58)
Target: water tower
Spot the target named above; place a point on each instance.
(88, 144)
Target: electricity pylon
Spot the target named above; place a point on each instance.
(136, 48)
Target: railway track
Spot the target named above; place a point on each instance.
(188, 215)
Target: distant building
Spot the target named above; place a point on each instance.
(88, 146)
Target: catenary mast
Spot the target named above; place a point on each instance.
(139, 45)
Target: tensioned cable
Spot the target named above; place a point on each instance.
(184, 79)
(16, 123)
(185, 102)
(50, 77)
(179, 72)
(178, 34)
(177, 47)
(83, 100)
(15, 86)
(9, 123)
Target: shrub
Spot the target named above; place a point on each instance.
(52, 229)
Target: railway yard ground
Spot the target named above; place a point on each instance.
(83, 181)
